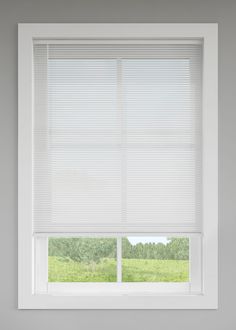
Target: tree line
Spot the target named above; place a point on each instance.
(94, 249)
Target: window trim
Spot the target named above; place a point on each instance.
(149, 32)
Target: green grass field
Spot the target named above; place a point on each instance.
(134, 270)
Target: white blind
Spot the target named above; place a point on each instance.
(117, 138)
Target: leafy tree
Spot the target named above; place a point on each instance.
(127, 248)
(178, 248)
(83, 249)
(89, 250)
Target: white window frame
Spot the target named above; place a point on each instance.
(208, 298)
(42, 286)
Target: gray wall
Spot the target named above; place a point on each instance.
(33, 11)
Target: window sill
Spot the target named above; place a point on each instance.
(122, 301)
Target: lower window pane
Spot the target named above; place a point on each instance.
(144, 259)
(155, 259)
(82, 259)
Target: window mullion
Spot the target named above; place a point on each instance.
(119, 259)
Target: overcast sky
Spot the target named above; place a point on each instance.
(135, 240)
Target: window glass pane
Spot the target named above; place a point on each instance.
(82, 94)
(155, 259)
(157, 93)
(144, 259)
(82, 259)
(161, 185)
(85, 185)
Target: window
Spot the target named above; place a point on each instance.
(140, 259)
(117, 166)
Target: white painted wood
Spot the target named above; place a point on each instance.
(25, 101)
(118, 31)
(195, 263)
(109, 289)
(41, 265)
(210, 165)
(139, 301)
(119, 259)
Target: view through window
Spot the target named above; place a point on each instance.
(144, 259)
